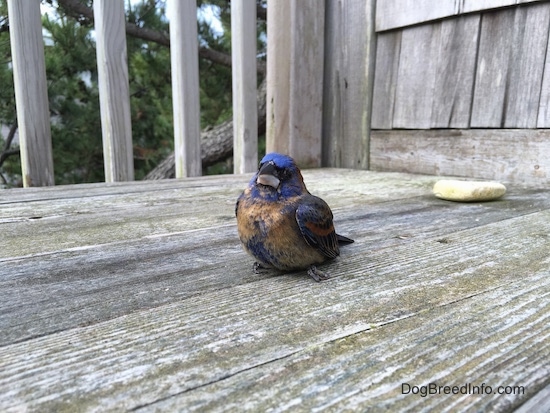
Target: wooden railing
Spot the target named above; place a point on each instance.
(310, 114)
(32, 98)
(335, 70)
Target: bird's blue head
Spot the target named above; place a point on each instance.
(280, 160)
(278, 176)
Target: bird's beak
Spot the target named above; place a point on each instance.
(266, 175)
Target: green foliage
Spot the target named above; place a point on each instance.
(74, 101)
(7, 98)
(214, 79)
(12, 168)
(150, 89)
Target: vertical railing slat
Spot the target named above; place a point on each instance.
(185, 87)
(31, 92)
(278, 76)
(114, 95)
(245, 107)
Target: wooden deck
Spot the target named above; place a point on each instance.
(138, 296)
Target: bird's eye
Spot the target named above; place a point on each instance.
(284, 174)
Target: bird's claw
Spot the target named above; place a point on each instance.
(316, 274)
(257, 267)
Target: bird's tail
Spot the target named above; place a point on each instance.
(343, 240)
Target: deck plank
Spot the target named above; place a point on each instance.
(431, 291)
(362, 374)
(154, 270)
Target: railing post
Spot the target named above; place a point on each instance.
(185, 87)
(295, 62)
(114, 95)
(245, 106)
(350, 44)
(31, 92)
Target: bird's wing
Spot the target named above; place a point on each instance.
(314, 219)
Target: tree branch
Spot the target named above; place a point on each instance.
(216, 142)
(4, 26)
(261, 12)
(7, 152)
(11, 135)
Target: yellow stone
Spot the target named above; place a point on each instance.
(468, 191)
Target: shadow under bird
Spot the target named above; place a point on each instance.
(281, 224)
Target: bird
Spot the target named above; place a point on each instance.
(281, 224)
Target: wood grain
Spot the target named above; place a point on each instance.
(454, 77)
(185, 87)
(514, 155)
(31, 93)
(114, 94)
(278, 76)
(492, 73)
(414, 91)
(363, 376)
(480, 71)
(172, 317)
(295, 80)
(245, 107)
(307, 48)
(348, 80)
(388, 49)
(393, 14)
(543, 117)
(530, 38)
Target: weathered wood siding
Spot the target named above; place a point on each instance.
(511, 155)
(479, 70)
(392, 14)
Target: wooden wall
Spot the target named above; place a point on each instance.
(479, 82)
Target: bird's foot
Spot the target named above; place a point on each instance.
(316, 274)
(257, 267)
